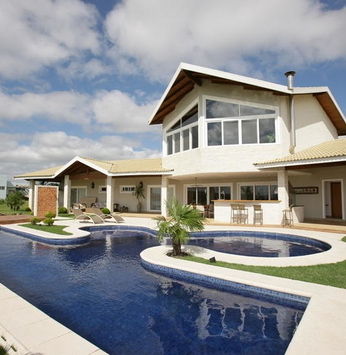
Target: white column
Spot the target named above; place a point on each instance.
(110, 193)
(164, 195)
(31, 194)
(283, 193)
(67, 192)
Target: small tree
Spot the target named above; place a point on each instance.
(181, 220)
(138, 192)
(14, 200)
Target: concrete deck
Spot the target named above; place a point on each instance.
(321, 331)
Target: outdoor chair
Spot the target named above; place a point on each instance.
(86, 217)
(235, 213)
(257, 214)
(201, 209)
(113, 217)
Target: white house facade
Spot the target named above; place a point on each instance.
(227, 139)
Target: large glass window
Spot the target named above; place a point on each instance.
(233, 123)
(214, 133)
(230, 132)
(183, 135)
(202, 195)
(259, 192)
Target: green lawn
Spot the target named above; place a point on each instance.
(50, 229)
(324, 274)
(6, 210)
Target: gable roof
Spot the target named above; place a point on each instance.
(188, 75)
(326, 152)
(109, 168)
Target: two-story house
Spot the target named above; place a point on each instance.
(227, 138)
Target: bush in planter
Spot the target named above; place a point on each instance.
(62, 210)
(49, 221)
(105, 210)
(35, 220)
(50, 215)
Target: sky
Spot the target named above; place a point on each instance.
(84, 77)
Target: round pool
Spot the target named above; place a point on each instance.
(258, 244)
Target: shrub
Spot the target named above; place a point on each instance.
(50, 215)
(27, 209)
(49, 221)
(35, 220)
(62, 210)
(105, 210)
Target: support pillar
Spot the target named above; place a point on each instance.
(67, 192)
(164, 195)
(110, 193)
(31, 194)
(283, 192)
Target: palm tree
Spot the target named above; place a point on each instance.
(138, 192)
(181, 220)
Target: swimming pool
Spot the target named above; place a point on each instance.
(260, 244)
(101, 291)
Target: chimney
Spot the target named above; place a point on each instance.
(289, 75)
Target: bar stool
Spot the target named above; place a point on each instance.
(287, 217)
(243, 214)
(234, 213)
(257, 214)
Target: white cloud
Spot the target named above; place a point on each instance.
(104, 111)
(42, 33)
(121, 113)
(156, 35)
(56, 106)
(57, 148)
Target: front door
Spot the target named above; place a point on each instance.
(336, 205)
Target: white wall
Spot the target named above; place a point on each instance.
(314, 204)
(3, 186)
(312, 123)
(236, 158)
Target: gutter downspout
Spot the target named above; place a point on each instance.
(290, 75)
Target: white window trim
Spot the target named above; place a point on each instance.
(207, 187)
(156, 186)
(103, 189)
(257, 183)
(177, 118)
(130, 187)
(239, 119)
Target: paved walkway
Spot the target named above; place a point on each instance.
(321, 331)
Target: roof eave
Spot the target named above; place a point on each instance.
(300, 162)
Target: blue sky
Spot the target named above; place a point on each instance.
(83, 77)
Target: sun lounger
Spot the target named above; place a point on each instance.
(86, 217)
(113, 217)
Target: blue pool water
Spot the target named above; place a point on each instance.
(260, 244)
(101, 291)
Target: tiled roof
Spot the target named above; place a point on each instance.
(41, 173)
(113, 167)
(334, 150)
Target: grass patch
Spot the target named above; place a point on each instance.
(324, 274)
(4, 209)
(50, 229)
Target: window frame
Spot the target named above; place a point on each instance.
(127, 189)
(253, 185)
(240, 119)
(179, 126)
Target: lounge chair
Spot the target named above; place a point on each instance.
(113, 217)
(86, 217)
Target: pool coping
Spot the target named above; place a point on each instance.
(321, 330)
